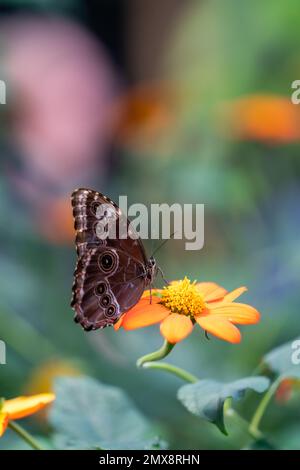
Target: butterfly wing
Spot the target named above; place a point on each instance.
(110, 275)
(108, 282)
(94, 214)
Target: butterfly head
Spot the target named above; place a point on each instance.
(151, 269)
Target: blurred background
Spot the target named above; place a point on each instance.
(165, 101)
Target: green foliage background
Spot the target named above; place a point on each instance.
(219, 51)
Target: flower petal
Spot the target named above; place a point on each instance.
(144, 314)
(211, 291)
(24, 406)
(220, 327)
(118, 324)
(3, 423)
(242, 314)
(176, 327)
(234, 294)
(154, 292)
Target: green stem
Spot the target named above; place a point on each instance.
(156, 355)
(244, 424)
(181, 373)
(149, 361)
(260, 410)
(24, 435)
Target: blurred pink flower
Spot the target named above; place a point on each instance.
(62, 86)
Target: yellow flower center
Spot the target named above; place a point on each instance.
(183, 297)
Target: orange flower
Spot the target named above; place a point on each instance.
(284, 391)
(286, 388)
(21, 407)
(43, 376)
(266, 118)
(145, 113)
(182, 304)
(58, 226)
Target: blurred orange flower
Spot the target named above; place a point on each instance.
(267, 118)
(55, 221)
(182, 304)
(21, 407)
(42, 378)
(286, 389)
(145, 112)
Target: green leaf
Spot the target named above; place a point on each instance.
(285, 360)
(206, 398)
(89, 415)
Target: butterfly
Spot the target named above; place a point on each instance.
(112, 270)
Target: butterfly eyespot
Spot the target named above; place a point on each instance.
(108, 261)
(105, 300)
(110, 311)
(100, 289)
(94, 207)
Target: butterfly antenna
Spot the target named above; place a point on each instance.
(162, 244)
(152, 243)
(163, 276)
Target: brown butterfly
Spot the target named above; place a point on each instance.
(112, 272)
